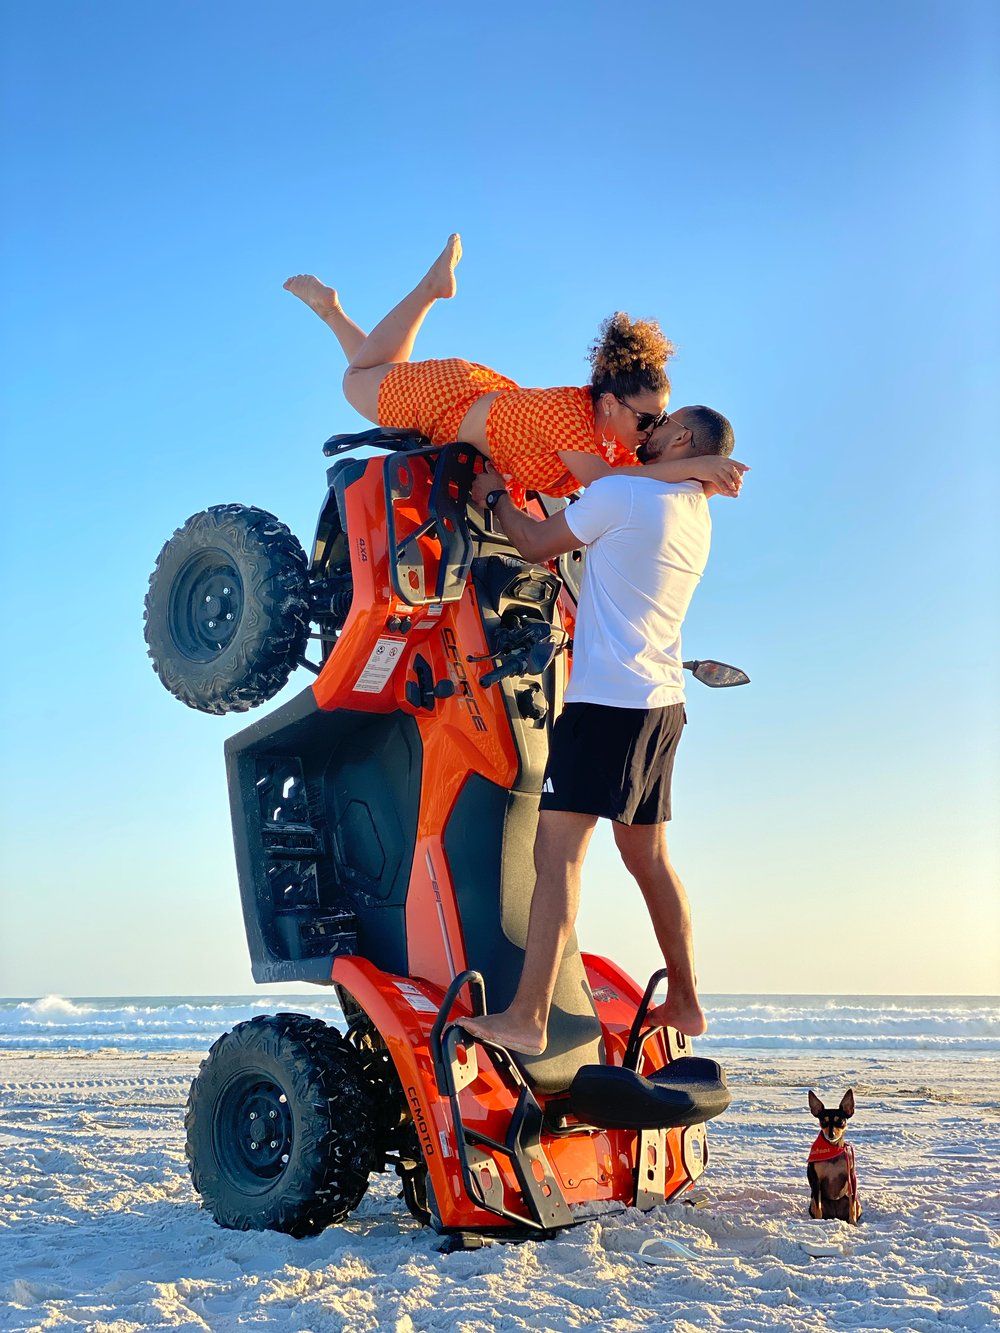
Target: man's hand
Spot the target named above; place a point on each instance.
(486, 481)
(536, 539)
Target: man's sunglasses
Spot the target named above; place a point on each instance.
(645, 421)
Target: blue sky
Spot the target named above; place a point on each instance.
(805, 196)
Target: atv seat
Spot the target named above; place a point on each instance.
(689, 1091)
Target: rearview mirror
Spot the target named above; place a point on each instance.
(717, 674)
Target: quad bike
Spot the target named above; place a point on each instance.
(383, 822)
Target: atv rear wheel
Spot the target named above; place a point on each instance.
(227, 611)
(280, 1127)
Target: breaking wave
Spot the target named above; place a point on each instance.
(161, 1023)
(859, 1023)
(944, 1024)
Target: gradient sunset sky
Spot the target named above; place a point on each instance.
(805, 196)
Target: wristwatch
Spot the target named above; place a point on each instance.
(493, 499)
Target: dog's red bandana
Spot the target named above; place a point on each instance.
(825, 1151)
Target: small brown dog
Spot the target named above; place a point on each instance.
(832, 1181)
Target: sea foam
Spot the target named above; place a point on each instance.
(949, 1025)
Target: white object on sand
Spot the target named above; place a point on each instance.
(676, 1250)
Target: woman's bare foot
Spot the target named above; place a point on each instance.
(524, 1038)
(316, 294)
(439, 281)
(684, 1014)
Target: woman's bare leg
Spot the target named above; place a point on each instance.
(392, 339)
(326, 303)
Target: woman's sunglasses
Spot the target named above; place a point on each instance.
(645, 421)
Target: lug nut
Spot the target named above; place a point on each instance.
(274, 1143)
(211, 624)
(271, 1115)
(253, 1115)
(229, 615)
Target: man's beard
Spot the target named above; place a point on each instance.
(644, 454)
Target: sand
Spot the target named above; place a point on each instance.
(102, 1231)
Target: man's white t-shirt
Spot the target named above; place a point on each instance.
(647, 546)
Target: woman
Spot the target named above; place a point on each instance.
(548, 440)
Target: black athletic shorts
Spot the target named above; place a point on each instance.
(613, 762)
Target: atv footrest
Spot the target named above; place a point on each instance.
(687, 1092)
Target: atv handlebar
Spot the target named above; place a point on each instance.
(528, 647)
(515, 665)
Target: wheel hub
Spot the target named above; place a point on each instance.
(254, 1132)
(206, 605)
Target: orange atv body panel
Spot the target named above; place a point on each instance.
(595, 1167)
(384, 821)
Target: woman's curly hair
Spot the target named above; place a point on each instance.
(629, 357)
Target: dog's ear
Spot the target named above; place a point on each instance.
(847, 1103)
(815, 1105)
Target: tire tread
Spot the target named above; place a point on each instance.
(274, 627)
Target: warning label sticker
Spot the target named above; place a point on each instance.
(379, 666)
(417, 999)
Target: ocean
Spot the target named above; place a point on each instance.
(919, 1025)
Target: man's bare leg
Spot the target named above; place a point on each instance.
(560, 846)
(326, 303)
(643, 848)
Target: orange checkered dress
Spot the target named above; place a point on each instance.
(525, 428)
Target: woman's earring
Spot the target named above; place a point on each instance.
(607, 439)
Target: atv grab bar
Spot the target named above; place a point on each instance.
(381, 437)
(477, 993)
(540, 1191)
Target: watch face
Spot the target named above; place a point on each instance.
(493, 498)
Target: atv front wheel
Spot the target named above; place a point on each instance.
(280, 1127)
(227, 612)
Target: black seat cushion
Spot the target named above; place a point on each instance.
(686, 1092)
(489, 840)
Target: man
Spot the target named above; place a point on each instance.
(613, 746)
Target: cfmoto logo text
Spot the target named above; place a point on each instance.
(423, 1129)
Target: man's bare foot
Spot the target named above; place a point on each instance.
(439, 281)
(524, 1038)
(316, 294)
(686, 1015)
